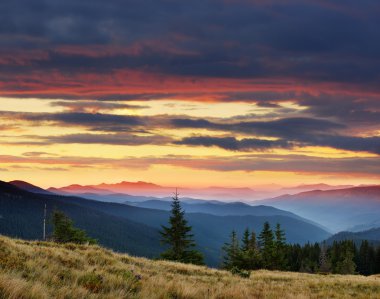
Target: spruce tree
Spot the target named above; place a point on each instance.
(245, 240)
(324, 262)
(279, 249)
(345, 252)
(232, 253)
(377, 261)
(367, 259)
(250, 254)
(65, 232)
(179, 238)
(266, 241)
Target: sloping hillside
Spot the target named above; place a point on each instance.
(21, 215)
(46, 270)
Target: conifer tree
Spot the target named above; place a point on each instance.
(345, 257)
(366, 260)
(324, 263)
(253, 241)
(65, 232)
(179, 238)
(279, 254)
(245, 240)
(377, 262)
(266, 241)
(250, 254)
(232, 252)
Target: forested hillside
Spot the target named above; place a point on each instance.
(133, 229)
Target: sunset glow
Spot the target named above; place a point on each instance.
(227, 102)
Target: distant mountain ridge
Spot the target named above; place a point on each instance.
(78, 189)
(352, 209)
(190, 205)
(29, 187)
(312, 187)
(134, 229)
(338, 209)
(141, 188)
(372, 235)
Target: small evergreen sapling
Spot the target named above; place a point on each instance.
(65, 232)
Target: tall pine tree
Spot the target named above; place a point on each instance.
(179, 238)
(279, 249)
(367, 258)
(266, 241)
(250, 255)
(324, 262)
(232, 252)
(377, 262)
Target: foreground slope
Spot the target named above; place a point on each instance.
(47, 270)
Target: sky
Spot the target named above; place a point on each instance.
(232, 93)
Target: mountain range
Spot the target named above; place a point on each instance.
(135, 229)
(219, 193)
(371, 235)
(337, 208)
(356, 208)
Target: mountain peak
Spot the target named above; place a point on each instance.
(28, 187)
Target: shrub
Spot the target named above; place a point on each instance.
(240, 272)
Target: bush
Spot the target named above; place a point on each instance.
(240, 272)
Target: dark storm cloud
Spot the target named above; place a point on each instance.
(231, 143)
(231, 39)
(289, 132)
(351, 143)
(357, 110)
(285, 128)
(249, 163)
(91, 121)
(83, 119)
(292, 163)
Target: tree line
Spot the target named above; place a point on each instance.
(268, 250)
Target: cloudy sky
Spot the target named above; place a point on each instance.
(190, 93)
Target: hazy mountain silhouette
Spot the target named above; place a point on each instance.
(372, 235)
(29, 187)
(232, 194)
(133, 229)
(336, 209)
(312, 187)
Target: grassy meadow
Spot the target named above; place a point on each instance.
(47, 270)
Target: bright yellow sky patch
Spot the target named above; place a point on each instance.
(17, 137)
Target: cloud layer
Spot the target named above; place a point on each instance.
(306, 73)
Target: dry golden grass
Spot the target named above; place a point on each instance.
(46, 270)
